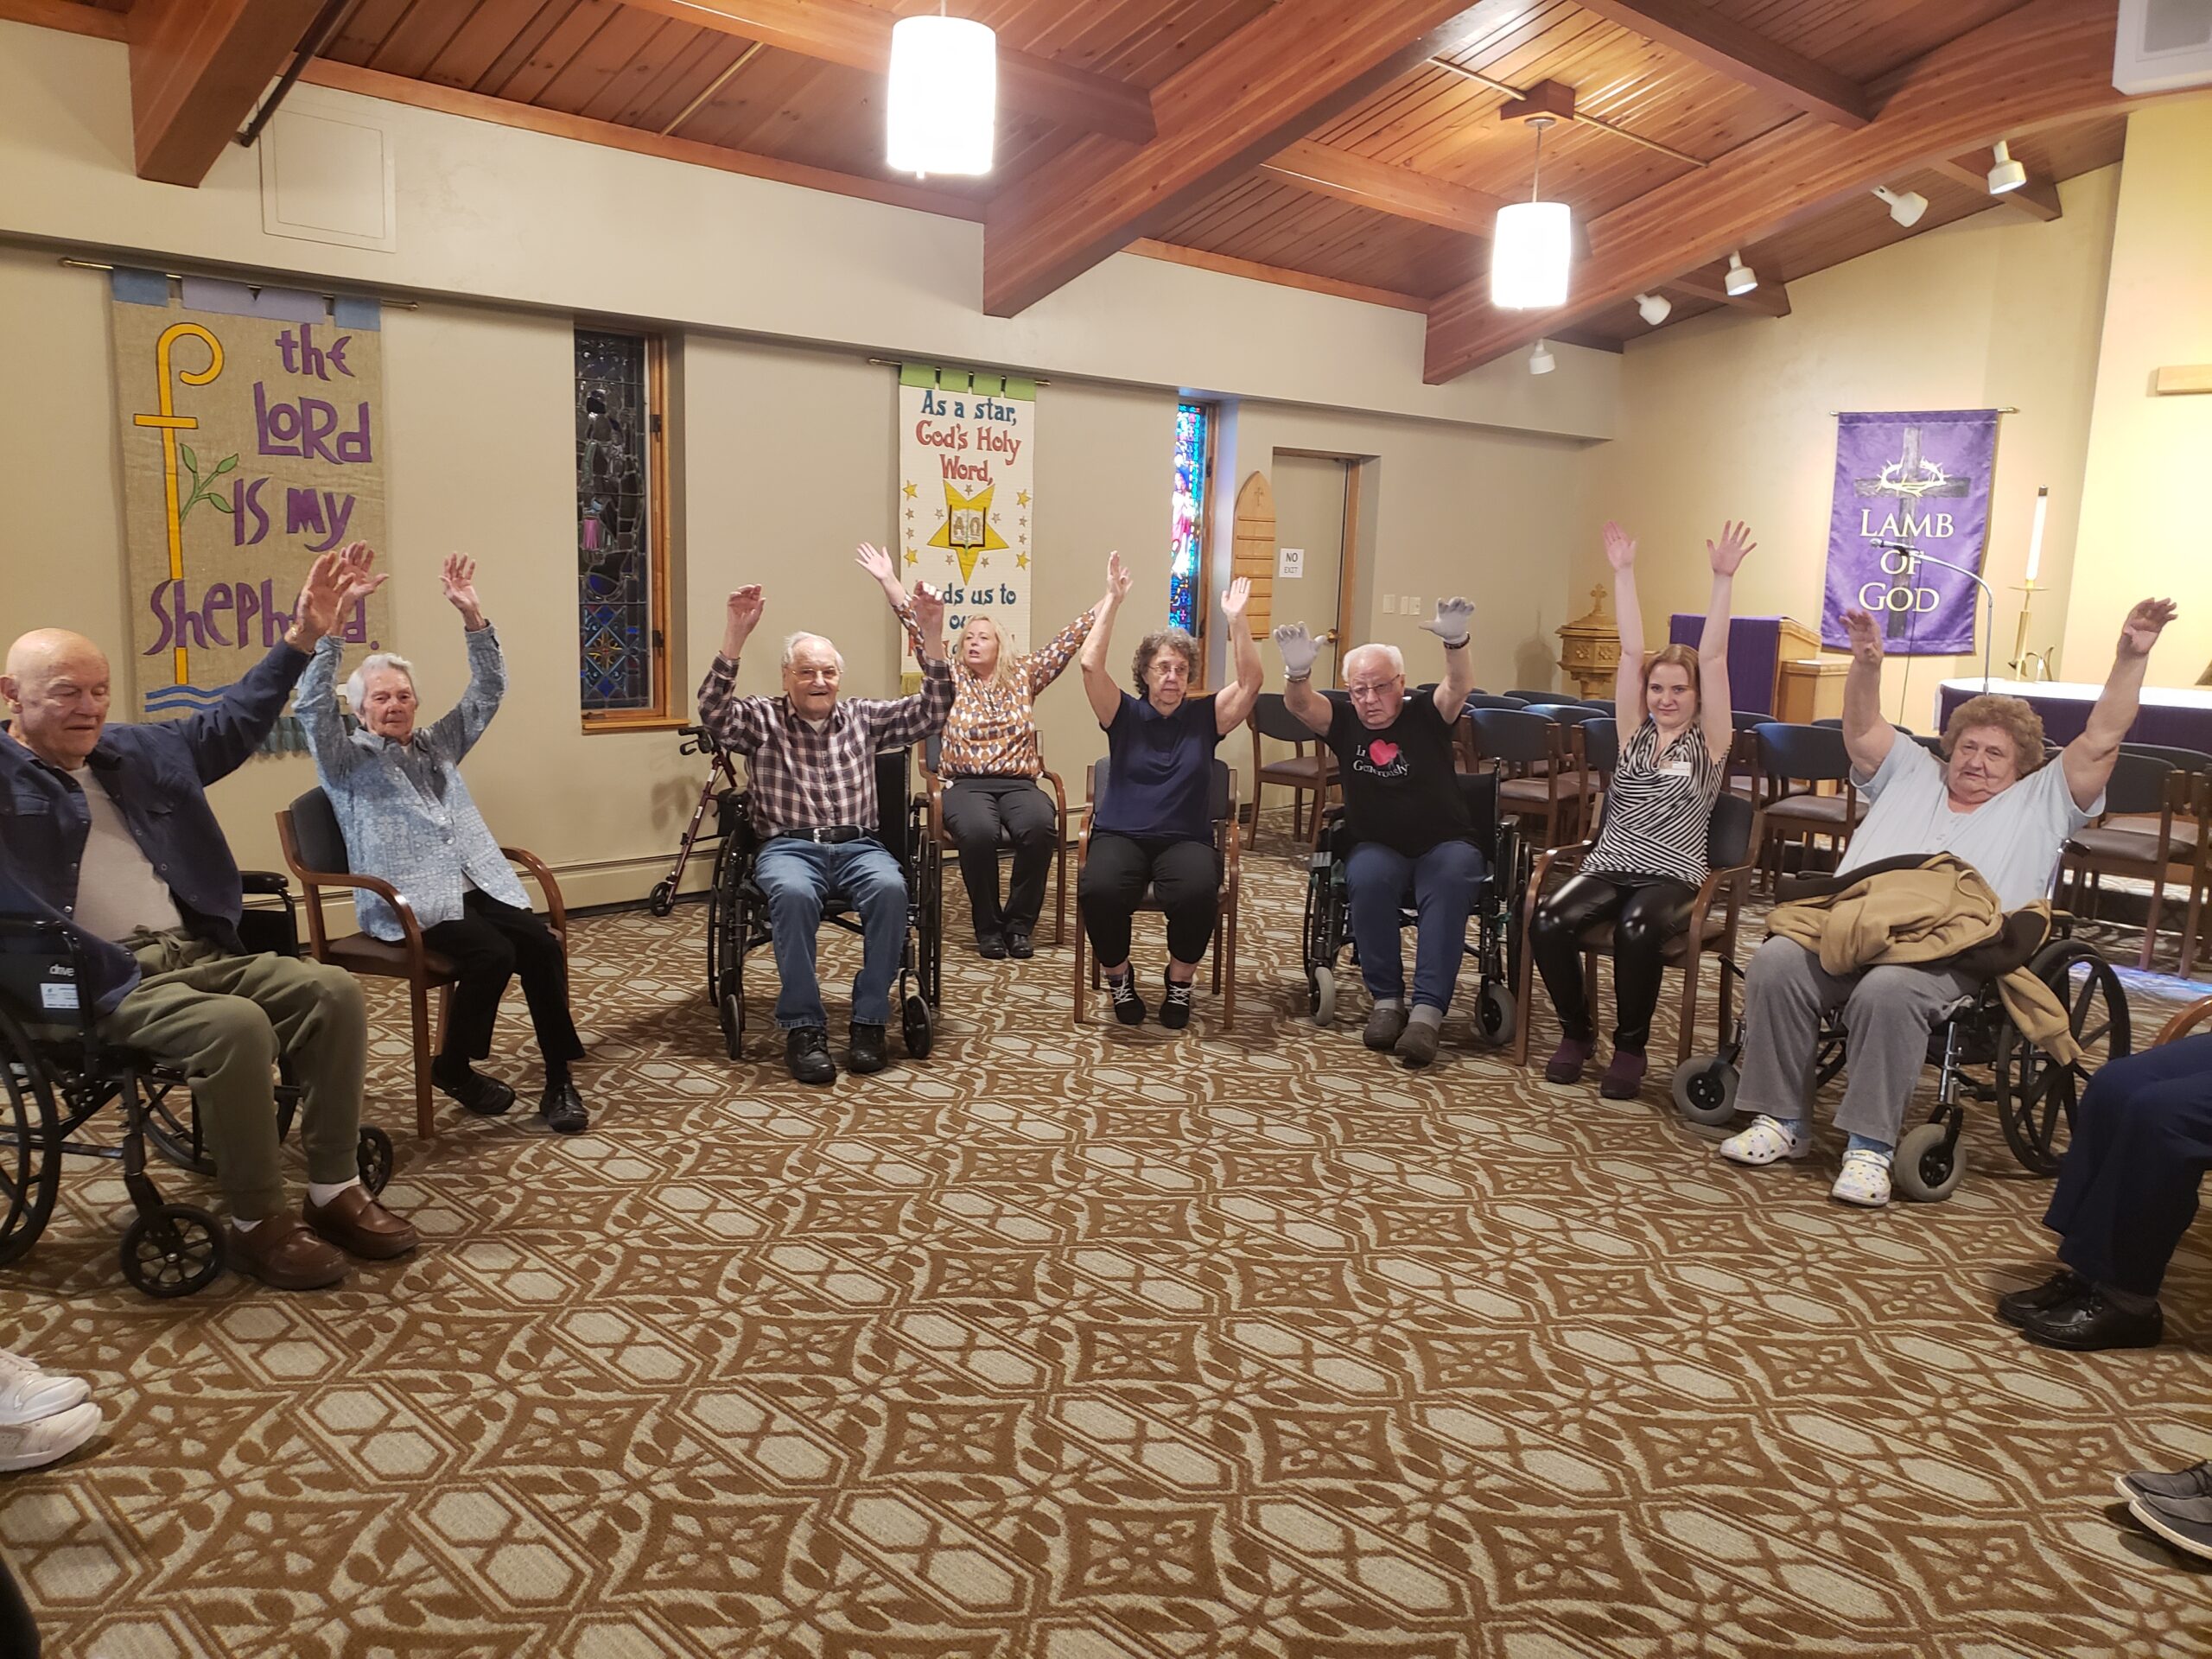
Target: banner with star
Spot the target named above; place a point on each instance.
(966, 496)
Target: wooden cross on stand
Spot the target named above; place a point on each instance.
(1910, 479)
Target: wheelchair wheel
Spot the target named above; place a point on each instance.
(30, 1157)
(1705, 1089)
(733, 1013)
(664, 897)
(2037, 1095)
(1924, 1169)
(1496, 1014)
(914, 1026)
(1321, 993)
(172, 1252)
(372, 1156)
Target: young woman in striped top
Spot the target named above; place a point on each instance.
(1642, 874)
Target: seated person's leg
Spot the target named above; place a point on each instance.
(1376, 878)
(793, 875)
(1888, 1014)
(1035, 823)
(1187, 879)
(485, 958)
(869, 877)
(1656, 913)
(1785, 993)
(972, 809)
(543, 966)
(1444, 879)
(1577, 904)
(1112, 884)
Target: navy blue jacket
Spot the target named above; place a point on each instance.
(158, 775)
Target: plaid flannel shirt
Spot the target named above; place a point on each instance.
(992, 731)
(800, 778)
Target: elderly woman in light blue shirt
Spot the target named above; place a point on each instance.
(408, 818)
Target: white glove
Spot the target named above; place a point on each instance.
(1299, 649)
(1451, 623)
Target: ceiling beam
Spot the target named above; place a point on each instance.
(1291, 68)
(1701, 33)
(197, 69)
(2038, 198)
(68, 15)
(2045, 65)
(1769, 298)
(858, 36)
(1398, 191)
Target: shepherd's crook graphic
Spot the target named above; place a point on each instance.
(170, 423)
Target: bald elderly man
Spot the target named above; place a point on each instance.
(810, 774)
(1406, 818)
(109, 832)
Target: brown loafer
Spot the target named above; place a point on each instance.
(358, 1225)
(281, 1252)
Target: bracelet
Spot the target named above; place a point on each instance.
(1289, 678)
(1460, 644)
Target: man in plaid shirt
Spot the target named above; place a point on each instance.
(810, 774)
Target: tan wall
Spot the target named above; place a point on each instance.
(1732, 415)
(2147, 500)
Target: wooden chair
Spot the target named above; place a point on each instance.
(1301, 773)
(2192, 829)
(1051, 783)
(1228, 845)
(2183, 1023)
(1731, 839)
(2142, 787)
(1793, 762)
(314, 850)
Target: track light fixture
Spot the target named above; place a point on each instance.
(1741, 278)
(1654, 308)
(1541, 361)
(1905, 206)
(2007, 174)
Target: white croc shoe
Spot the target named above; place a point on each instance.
(27, 1394)
(29, 1445)
(1864, 1180)
(1769, 1141)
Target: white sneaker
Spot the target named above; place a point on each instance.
(27, 1445)
(1864, 1180)
(27, 1394)
(1768, 1141)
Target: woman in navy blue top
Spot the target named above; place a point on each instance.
(1152, 820)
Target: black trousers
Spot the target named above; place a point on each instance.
(2142, 1142)
(491, 945)
(1645, 912)
(976, 810)
(1185, 877)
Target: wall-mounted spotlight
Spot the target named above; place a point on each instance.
(1905, 206)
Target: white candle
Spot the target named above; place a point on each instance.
(2035, 536)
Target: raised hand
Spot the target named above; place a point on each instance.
(929, 611)
(354, 560)
(1299, 649)
(329, 588)
(1117, 578)
(1729, 551)
(1620, 547)
(1453, 622)
(2144, 625)
(1866, 637)
(459, 579)
(740, 617)
(1237, 597)
(880, 565)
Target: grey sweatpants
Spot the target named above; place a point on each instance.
(1888, 1012)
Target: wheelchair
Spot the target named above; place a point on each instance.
(1978, 1054)
(58, 1074)
(1496, 908)
(737, 910)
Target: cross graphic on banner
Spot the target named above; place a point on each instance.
(1906, 480)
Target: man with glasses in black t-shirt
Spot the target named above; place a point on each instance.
(1405, 818)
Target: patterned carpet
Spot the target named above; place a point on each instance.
(1076, 1345)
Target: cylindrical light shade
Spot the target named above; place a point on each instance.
(1531, 245)
(944, 98)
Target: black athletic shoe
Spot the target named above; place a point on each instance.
(2017, 1307)
(485, 1097)
(562, 1108)
(1175, 1006)
(2089, 1322)
(868, 1053)
(1018, 945)
(806, 1053)
(1129, 1007)
(2193, 1481)
(991, 947)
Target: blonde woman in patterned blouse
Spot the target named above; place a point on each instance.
(990, 764)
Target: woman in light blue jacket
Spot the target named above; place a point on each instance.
(408, 818)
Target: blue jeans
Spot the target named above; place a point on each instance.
(1442, 881)
(797, 875)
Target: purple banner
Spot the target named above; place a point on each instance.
(1920, 480)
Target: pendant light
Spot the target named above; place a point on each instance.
(943, 107)
(1531, 245)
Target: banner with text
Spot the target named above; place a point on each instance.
(967, 493)
(1906, 484)
(252, 441)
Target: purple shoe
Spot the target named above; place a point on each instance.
(1623, 1079)
(1568, 1059)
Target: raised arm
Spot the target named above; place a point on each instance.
(738, 723)
(1454, 623)
(1099, 683)
(2088, 759)
(315, 703)
(457, 731)
(1299, 649)
(901, 721)
(1628, 678)
(881, 566)
(1867, 735)
(1050, 661)
(1713, 700)
(1235, 699)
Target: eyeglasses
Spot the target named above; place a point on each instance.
(1377, 688)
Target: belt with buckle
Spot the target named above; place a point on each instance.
(836, 835)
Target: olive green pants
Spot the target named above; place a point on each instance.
(222, 1021)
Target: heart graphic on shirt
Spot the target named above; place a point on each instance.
(1381, 754)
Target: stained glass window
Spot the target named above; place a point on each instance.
(1187, 564)
(618, 578)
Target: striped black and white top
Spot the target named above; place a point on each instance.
(1660, 808)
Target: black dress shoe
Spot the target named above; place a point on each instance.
(868, 1053)
(2017, 1307)
(2088, 1323)
(806, 1054)
(991, 947)
(485, 1097)
(562, 1108)
(1018, 945)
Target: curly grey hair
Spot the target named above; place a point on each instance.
(1159, 639)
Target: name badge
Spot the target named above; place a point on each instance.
(1675, 769)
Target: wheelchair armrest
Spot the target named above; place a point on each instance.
(275, 883)
(556, 910)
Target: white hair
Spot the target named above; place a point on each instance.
(793, 641)
(1391, 654)
(357, 683)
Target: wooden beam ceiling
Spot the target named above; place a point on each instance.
(2045, 64)
(1701, 33)
(1769, 298)
(1288, 70)
(2038, 198)
(1398, 191)
(859, 36)
(197, 69)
